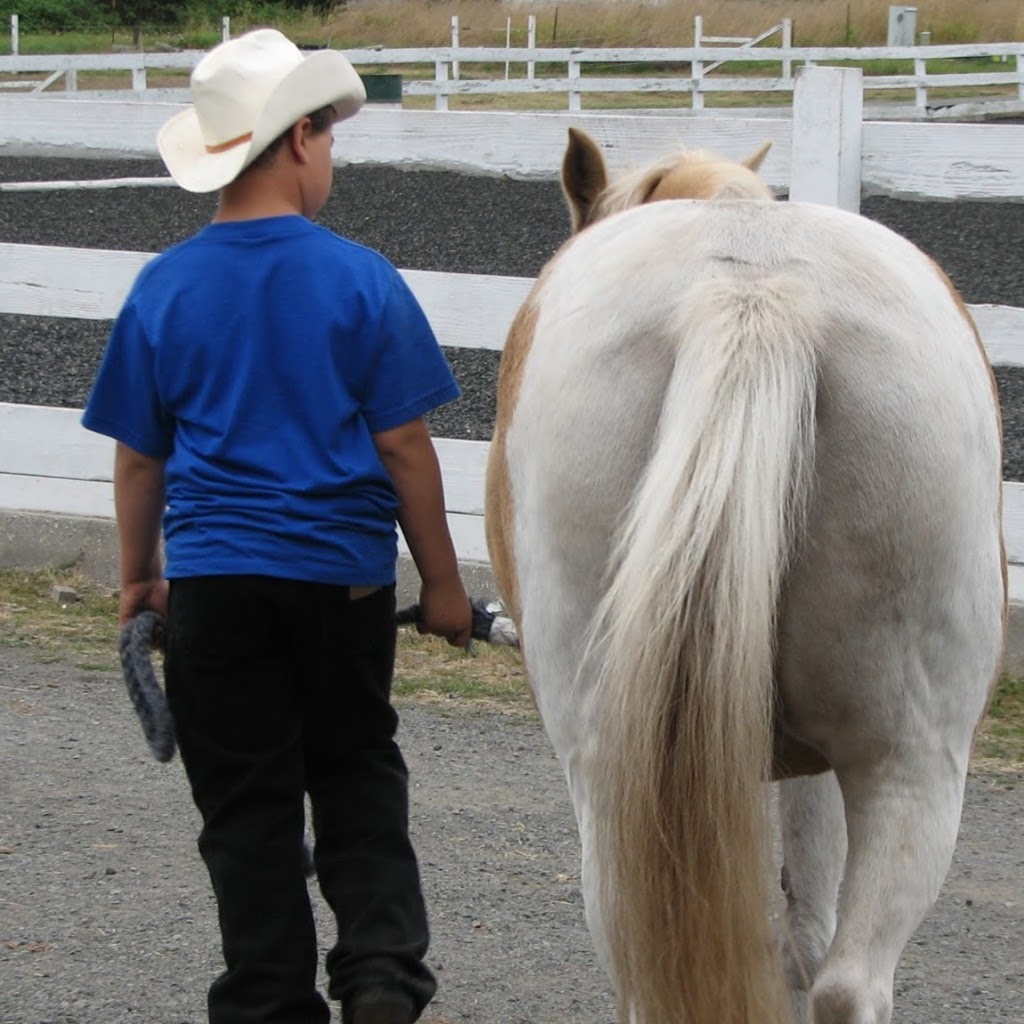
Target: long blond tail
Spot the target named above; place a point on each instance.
(686, 637)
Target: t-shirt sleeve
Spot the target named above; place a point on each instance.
(409, 375)
(125, 403)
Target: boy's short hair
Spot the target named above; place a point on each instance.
(321, 119)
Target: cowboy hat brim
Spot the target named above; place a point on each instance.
(324, 78)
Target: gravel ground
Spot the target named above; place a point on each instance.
(423, 221)
(105, 913)
(104, 908)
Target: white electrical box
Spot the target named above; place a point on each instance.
(902, 26)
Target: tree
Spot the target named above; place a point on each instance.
(134, 14)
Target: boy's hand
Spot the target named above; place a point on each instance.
(445, 611)
(141, 596)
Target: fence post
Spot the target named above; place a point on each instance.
(574, 93)
(531, 42)
(441, 75)
(828, 129)
(14, 35)
(139, 79)
(1020, 71)
(697, 66)
(787, 44)
(920, 91)
(225, 28)
(455, 45)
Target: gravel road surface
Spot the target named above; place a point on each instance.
(106, 918)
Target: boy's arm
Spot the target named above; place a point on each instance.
(139, 501)
(409, 457)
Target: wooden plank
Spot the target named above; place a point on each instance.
(944, 161)
(466, 310)
(467, 535)
(463, 470)
(521, 145)
(1013, 521)
(1002, 331)
(47, 495)
(101, 184)
(46, 443)
(88, 284)
(469, 310)
(56, 495)
(1015, 580)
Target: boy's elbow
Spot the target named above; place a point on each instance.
(402, 442)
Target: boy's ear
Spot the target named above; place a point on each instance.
(298, 135)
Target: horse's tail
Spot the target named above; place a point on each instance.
(686, 639)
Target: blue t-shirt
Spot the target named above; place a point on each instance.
(258, 358)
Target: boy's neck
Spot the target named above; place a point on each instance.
(256, 195)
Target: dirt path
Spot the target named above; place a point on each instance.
(105, 915)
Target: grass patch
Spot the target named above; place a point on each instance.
(85, 633)
(1001, 737)
(427, 670)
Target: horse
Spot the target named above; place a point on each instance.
(743, 505)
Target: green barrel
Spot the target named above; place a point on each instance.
(383, 88)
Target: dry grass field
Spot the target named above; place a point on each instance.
(639, 23)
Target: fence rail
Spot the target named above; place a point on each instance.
(693, 78)
(923, 160)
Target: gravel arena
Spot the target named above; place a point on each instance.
(105, 913)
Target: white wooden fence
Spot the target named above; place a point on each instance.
(692, 78)
(49, 464)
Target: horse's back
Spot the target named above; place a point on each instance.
(905, 389)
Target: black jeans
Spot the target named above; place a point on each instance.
(279, 689)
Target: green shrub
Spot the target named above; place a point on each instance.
(55, 15)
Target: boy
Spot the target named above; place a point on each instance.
(265, 383)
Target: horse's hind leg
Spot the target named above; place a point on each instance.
(902, 815)
(814, 852)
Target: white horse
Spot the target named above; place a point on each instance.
(744, 506)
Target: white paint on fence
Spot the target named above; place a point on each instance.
(947, 161)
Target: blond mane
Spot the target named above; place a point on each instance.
(686, 174)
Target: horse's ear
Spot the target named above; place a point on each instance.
(584, 176)
(755, 160)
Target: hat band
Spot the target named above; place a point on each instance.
(221, 147)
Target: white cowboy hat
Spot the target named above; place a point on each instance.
(245, 93)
